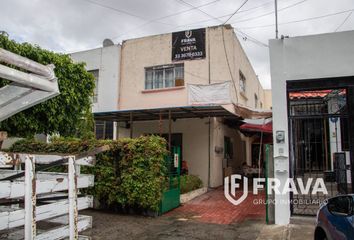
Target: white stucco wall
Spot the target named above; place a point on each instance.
(240, 155)
(267, 99)
(315, 56)
(107, 61)
(195, 142)
(138, 54)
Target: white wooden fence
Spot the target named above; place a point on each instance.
(32, 202)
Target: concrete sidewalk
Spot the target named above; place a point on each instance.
(300, 228)
(129, 227)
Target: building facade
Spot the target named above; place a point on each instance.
(104, 64)
(189, 87)
(313, 110)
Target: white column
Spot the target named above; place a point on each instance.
(30, 198)
(73, 212)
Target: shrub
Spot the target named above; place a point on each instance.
(190, 183)
(130, 175)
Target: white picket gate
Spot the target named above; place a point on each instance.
(49, 198)
(28, 197)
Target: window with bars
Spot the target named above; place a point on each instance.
(95, 73)
(242, 82)
(164, 76)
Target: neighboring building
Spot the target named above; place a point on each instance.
(203, 86)
(148, 57)
(267, 99)
(104, 64)
(313, 113)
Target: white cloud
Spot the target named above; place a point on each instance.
(72, 25)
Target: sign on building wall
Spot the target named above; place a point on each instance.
(217, 93)
(188, 45)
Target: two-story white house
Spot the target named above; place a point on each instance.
(104, 64)
(313, 103)
(192, 87)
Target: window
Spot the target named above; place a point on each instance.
(341, 205)
(95, 91)
(104, 129)
(242, 82)
(164, 76)
(255, 101)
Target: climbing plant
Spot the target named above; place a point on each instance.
(68, 114)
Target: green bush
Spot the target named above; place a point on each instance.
(130, 175)
(190, 183)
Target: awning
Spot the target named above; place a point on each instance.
(230, 111)
(266, 139)
(157, 113)
(246, 112)
(257, 128)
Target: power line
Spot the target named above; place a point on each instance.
(200, 10)
(226, 15)
(300, 20)
(167, 16)
(269, 13)
(187, 10)
(224, 44)
(244, 20)
(121, 11)
(344, 21)
(114, 9)
(252, 39)
(235, 11)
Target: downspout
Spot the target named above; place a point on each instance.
(209, 126)
(120, 76)
(266, 181)
(119, 90)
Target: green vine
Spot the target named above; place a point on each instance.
(68, 114)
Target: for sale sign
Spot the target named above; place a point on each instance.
(188, 45)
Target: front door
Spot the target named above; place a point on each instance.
(320, 134)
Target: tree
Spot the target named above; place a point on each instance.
(68, 114)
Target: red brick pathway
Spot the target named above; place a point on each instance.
(213, 207)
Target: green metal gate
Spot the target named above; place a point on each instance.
(269, 173)
(171, 194)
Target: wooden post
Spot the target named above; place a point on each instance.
(131, 124)
(169, 130)
(30, 199)
(73, 212)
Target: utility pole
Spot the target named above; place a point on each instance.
(276, 19)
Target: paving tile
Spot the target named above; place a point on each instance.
(213, 207)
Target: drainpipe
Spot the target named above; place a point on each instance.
(209, 154)
(209, 125)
